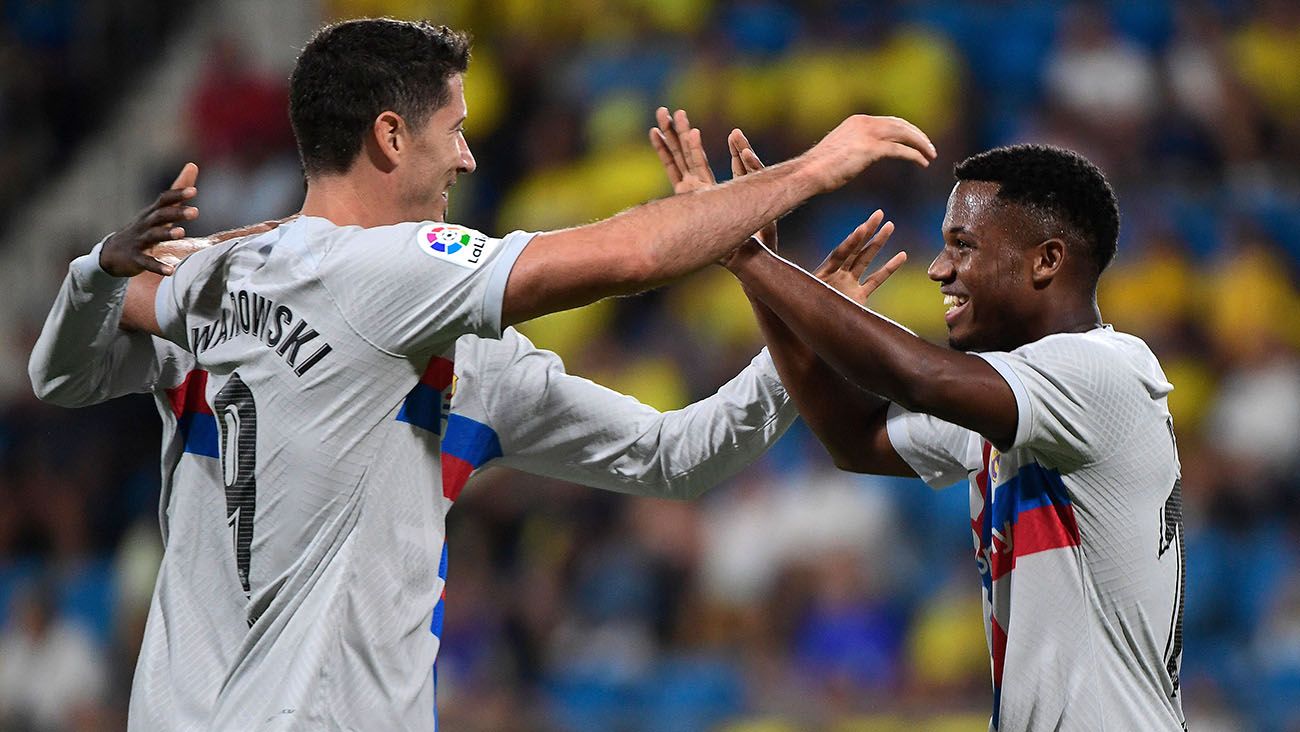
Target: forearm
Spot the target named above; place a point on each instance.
(138, 311)
(611, 441)
(875, 354)
(81, 357)
(651, 244)
(840, 414)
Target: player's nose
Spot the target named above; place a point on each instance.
(467, 162)
(941, 269)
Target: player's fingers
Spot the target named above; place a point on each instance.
(681, 123)
(187, 177)
(737, 167)
(671, 139)
(662, 118)
(169, 214)
(835, 260)
(867, 254)
(877, 278)
(750, 160)
(174, 196)
(745, 145)
(152, 265)
(665, 156)
(164, 232)
(697, 158)
(870, 230)
(916, 133)
(909, 135)
(904, 152)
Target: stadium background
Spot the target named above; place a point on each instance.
(794, 597)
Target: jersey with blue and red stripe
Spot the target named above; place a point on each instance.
(1077, 528)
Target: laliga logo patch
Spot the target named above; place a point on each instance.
(446, 239)
(456, 244)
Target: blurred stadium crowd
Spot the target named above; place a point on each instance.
(795, 597)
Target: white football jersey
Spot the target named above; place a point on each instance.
(319, 520)
(1078, 534)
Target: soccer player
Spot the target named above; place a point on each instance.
(1059, 422)
(304, 589)
(513, 405)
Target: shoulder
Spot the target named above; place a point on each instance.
(1099, 346)
(411, 247)
(1101, 360)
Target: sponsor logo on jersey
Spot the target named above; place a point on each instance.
(456, 244)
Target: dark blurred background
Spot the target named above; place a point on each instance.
(795, 597)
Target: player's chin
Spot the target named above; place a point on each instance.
(438, 210)
(961, 339)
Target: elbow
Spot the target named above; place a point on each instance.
(682, 489)
(45, 388)
(52, 391)
(850, 462)
(61, 391)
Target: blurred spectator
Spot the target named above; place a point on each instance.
(1103, 87)
(1266, 51)
(51, 673)
(240, 127)
(1212, 120)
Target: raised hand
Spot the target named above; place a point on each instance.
(124, 253)
(861, 140)
(844, 266)
(681, 151)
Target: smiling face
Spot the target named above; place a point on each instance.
(438, 154)
(984, 269)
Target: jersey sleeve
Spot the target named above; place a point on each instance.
(412, 288)
(562, 426)
(82, 357)
(194, 291)
(940, 452)
(1077, 398)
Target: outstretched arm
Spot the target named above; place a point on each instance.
(878, 355)
(849, 421)
(562, 426)
(662, 240)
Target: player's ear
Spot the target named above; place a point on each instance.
(386, 140)
(1045, 262)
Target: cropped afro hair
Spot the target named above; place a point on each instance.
(1061, 183)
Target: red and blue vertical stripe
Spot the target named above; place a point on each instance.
(1031, 513)
(467, 445)
(194, 419)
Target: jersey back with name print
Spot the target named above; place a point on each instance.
(1077, 528)
(313, 508)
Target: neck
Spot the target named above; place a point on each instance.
(351, 199)
(1071, 317)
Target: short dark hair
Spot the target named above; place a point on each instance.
(1059, 182)
(353, 71)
